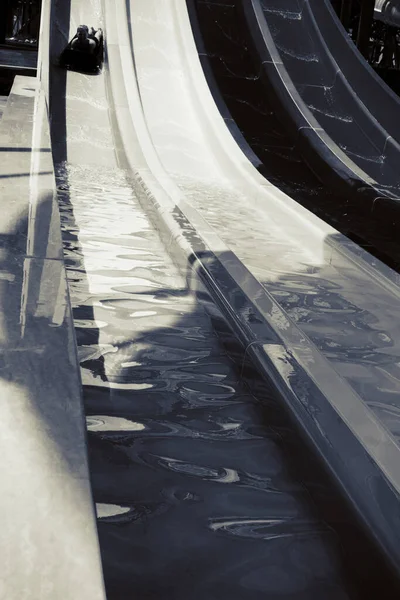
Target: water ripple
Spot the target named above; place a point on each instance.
(268, 529)
(176, 439)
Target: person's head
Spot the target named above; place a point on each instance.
(82, 32)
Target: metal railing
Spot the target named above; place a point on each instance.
(357, 17)
(20, 22)
(374, 26)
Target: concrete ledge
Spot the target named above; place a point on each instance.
(376, 95)
(19, 59)
(49, 540)
(357, 449)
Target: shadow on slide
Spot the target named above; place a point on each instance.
(174, 510)
(60, 23)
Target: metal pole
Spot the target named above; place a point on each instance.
(345, 13)
(3, 21)
(364, 27)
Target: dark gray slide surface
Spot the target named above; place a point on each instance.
(306, 63)
(371, 90)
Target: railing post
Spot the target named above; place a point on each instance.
(3, 20)
(364, 27)
(19, 18)
(345, 13)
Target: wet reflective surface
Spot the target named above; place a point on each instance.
(196, 493)
(201, 486)
(357, 332)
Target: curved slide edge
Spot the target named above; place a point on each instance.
(213, 86)
(356, 448)
(325, 158)
(376, 95)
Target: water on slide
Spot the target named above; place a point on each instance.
(191, 461)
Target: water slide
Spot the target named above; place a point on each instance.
(340, 114)
(284, 247)
(205, 300)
